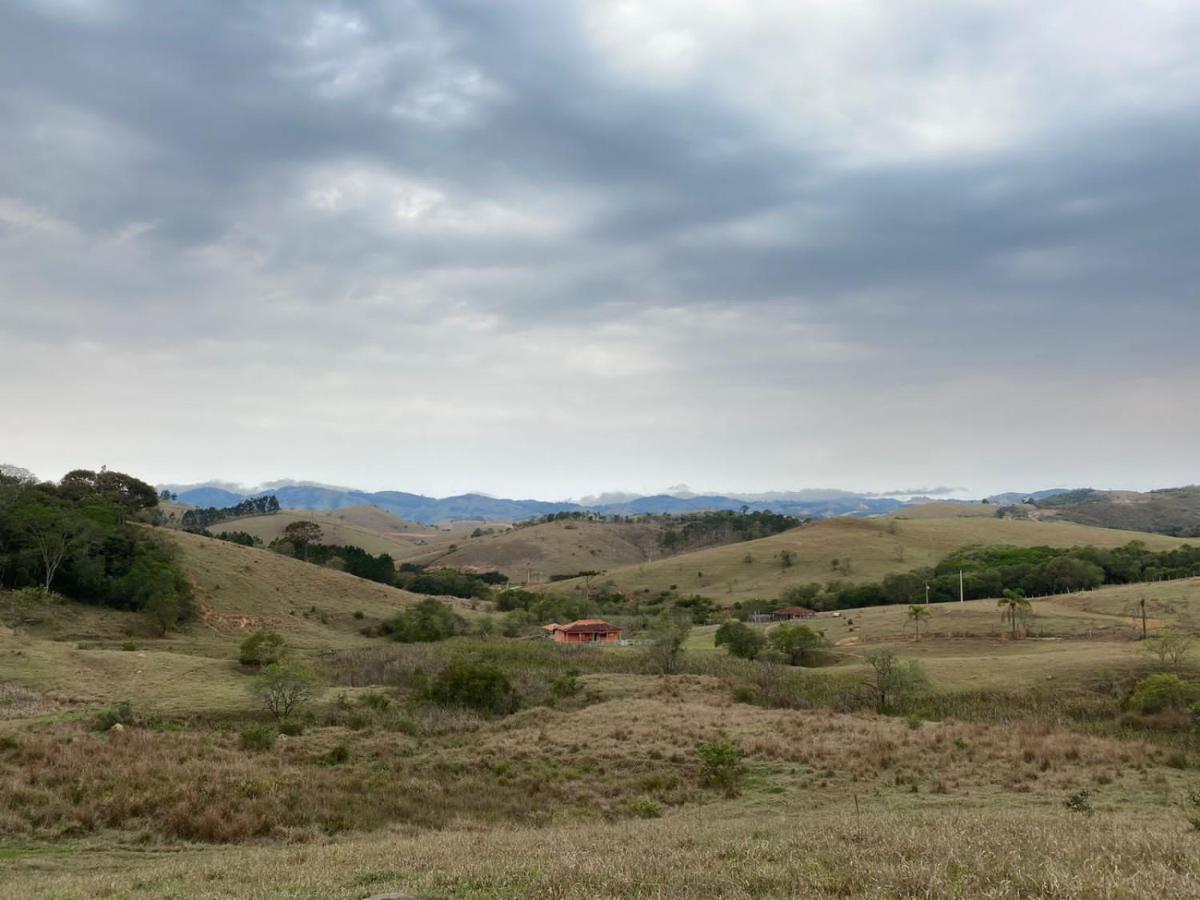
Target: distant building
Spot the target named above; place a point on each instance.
(583, 631)
(791, 612)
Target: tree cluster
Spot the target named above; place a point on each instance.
(198, 519)
(79, 538)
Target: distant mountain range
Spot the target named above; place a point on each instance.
(430, 510)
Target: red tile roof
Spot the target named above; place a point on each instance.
(587, 626)
(793, 611)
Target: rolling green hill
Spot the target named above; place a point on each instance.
(865, 550)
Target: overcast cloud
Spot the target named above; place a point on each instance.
(557, 248)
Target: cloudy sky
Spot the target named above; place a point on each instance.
(553, 248)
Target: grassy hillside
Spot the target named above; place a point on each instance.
(374, 530)
(535, 552)
(595, 787)
(1174, 511)
(874, 548)
(74, 651)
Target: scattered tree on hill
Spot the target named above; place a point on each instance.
(423, 622)
(285, 686)
(665, 650)
(263, 648)
(890, 680)
(51, 532)
(918, 612)
(1012, 605)
(721, 765)
(301, 534)
(797, 644)
(740, 640)
(1171, 647)
(197, 519)
(475, 686)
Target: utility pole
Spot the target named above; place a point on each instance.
(961, 595)
(1143, 604)
(927, 593)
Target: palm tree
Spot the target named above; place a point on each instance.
(1013, 604)
(917, 612)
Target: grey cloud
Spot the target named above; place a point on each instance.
(159, 165)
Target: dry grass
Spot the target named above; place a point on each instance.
(875, 547)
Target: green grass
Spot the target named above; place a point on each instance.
(874, 548)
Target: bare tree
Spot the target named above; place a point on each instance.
(51, 534)
(1171, 648)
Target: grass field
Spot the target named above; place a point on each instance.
(535, 552)
(366, 527)
(873, 547)
(599, 791)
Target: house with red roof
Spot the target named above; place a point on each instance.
(583, 631)
(791, 612)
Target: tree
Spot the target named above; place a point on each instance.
(428, 620)
(721, 765)
(477, 686)
(285, 686)
(1171, 647)
(263, 648)
(740, 639)
(301, 534)
(917, 612)
(51, 533)
(1012, 605)
(890, 679)
(797, 644)
(665, 652)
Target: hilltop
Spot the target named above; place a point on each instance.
(1173, 511)
(370, 528)
(537, 552)
(864, 550)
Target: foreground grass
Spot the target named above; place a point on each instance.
(714, 852)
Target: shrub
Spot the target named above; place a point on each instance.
(263, 648)
(291, 727)
(475, 686)
(375, 700)
(665, 652)
(891, 681)
(1161, 692)
(129, 646)
(646, 808)
(1080, 802)
(429, 620)
(565, 685)
(797, 644)
(336, 756)
(118, 714)
(721, 765)
(1192, 808)
(258, 737)
(285, 686)
(740, 639)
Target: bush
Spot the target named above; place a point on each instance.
(1161, 692)
(798, 645)
(429, 620)
(291, 727)
(263, 648)
(285, 686)
(646, 808)
(1080, 802)
(721, 765)
(475, 686)
(740, 639)
(118, 714)
(129, 646)
(258, 737)
(565, 685)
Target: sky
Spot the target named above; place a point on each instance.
(549, 248)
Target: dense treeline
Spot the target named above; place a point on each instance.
(688, 532)
(199, 519)
(79, 537)
(302, 540)
(990, 571)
